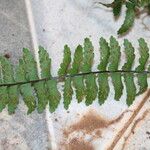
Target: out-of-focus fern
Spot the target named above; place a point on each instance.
(39, 90)
(133, 9)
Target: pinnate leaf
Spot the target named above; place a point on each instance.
(129, 18)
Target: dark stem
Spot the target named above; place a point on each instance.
(59, 78)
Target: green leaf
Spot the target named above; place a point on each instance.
(113, 66)
(90, 82)
(130, 88)
(54, 95)
(77, 61)
(41, 93)
(129, 18)
(32, 74)
(78, 83)
(68, 92)
(25, 89)
(76, 68)
(66, 61)
(51, 85)
(3, 98)
(45, 63)
(8, 77)
(103, 87)
(103, 78)
(130, 56)
(104, 54)
(129, 77)
(64, 69)
(3, 94)
(91, 89)
(88, 55)
(13, 99)
(142, 78)
(30, 65)
(117, 7)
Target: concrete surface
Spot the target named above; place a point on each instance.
(19, 131)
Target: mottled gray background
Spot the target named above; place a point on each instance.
(19, 131)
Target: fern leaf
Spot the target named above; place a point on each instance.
(117, 5)
(142, 78)
(76, 68)
(64, 69)
(68, 92)
(8, 77)
(91, 89)
(66, 61)
(87, 65)
(129, 77)
(103, 78)
(103, 88)
(32, 74)
(113, 66)
(45, 63)
(130, 88)
(77, 61)
(25, 89)
(54, 95)
(129, 19)
(41, 94)
(3, 94)
(88, 56)
(30, 65)
(78, 83)
(4, 99)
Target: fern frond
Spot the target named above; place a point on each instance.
(103, 78)
(76, 73)
(129, 78)
(52, 94)
(66, 61)
(26, 90)
(90, 82)
(76, 68)
(142, 78)
(129, 19)
(8, 77)
(133, 9)
(113, 66)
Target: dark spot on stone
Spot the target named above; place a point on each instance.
(68, 112)
(43, 30)
(13, 34)
(7, 55)
(56, 119)
(147, 132)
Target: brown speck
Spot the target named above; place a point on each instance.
(98, 133)
(7, 55)
(79, 144)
